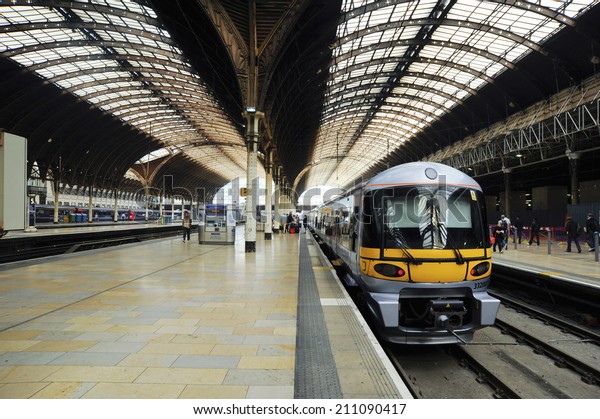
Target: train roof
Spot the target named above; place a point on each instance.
(421, 173)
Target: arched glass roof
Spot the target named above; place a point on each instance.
(116, 55)
(398, 66)
(100, 85)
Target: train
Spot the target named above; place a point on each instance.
(414, 238)
(45, 214)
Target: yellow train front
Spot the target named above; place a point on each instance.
(415, 239)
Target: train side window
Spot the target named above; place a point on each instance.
(369, 236)
(353, 228)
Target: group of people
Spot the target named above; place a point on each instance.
(501, 233)
(293, 220)
(502, 230)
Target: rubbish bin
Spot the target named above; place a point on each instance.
(84, 218)
(72, 217)
(78, 218)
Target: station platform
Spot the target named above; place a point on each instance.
(171, 319)
(553, 262)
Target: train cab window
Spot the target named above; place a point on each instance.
(423, 217)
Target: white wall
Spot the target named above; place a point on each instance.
(13, 181)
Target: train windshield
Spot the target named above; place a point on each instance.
(424, 217)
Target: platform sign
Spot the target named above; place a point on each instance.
(216, 210)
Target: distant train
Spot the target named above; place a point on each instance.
(45, 214)
(415, 239)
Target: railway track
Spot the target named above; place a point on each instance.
(29, 248)
(528, 354)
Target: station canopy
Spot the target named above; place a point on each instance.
(99, 87)
(400, 66)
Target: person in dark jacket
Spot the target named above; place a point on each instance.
(572, 233)
(498, 233)
(519, 228)
(289, 222)
(591, 226)
(535, 232)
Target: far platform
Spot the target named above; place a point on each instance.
(555, 262)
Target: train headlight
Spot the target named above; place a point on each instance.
(480, 269)
(387, 269)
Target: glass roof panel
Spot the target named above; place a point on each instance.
(472, 43)
(427, 78)
(90, 69)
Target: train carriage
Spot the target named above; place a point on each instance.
(415, 239)
(44, 214)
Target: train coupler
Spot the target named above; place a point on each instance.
(447, 313)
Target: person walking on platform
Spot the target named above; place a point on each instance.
(498, 233)
(572, 234)
(186, 225)
(591, 226)
(519, 228)
(535, 232)
(289, 222)
(305, 222)
(505, 222)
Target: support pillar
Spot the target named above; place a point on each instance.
(573, 171)
(253, 120)
(277, 194)
(284, 205)
(90, 203)
(507, 192)
(55, 191)
(160, 208)
(268, 192)
(146, 196)
(116, 213)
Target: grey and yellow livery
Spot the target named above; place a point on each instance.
(415, 239)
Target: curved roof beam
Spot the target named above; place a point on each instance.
(444, 22)
(320, 161)
(441, 63)
(420, 42)
(176, 84)
(100, 57)
(94, 7)
(95, 43)
(521, 4)
(96, 26)
(406, 96)
(136, 96)
(340, 95)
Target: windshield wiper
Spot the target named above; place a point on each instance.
(460, 260)
(395, 234)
